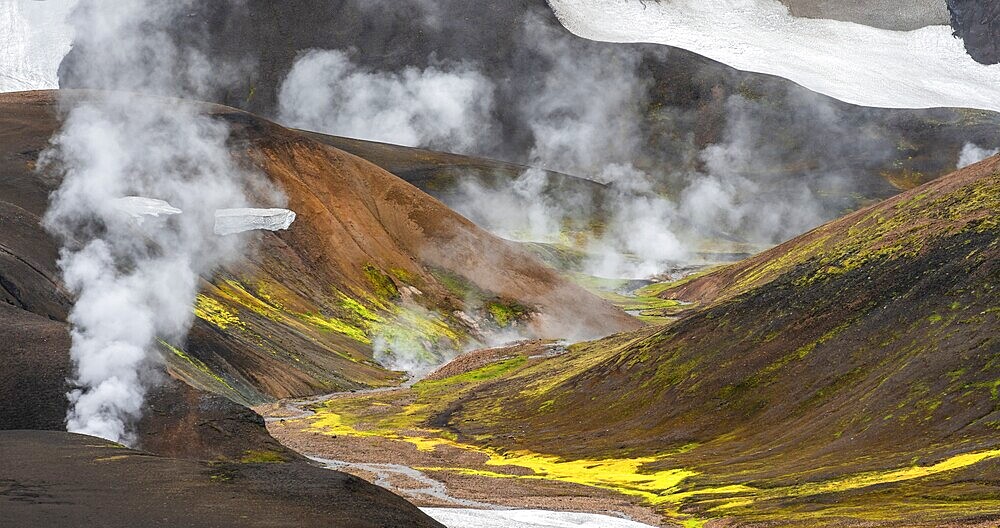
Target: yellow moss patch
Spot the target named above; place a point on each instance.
(863, 480)
(843, 484)
(624, 475)
(253, 456)
(336, 325)
(215, 313)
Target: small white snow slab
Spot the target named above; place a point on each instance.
(232, 221)
(138, 207)
(467, 518)
(855, 63)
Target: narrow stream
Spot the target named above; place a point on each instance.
(384, 474)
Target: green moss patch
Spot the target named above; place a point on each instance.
(382, 284)
(253, 456)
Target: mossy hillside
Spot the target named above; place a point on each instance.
(350, 324)
(357, 315)
(326, 341)
(670, 490)
(770, 353)
(898, 228)
(642, 302)
(863, 396)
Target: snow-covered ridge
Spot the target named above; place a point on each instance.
(858, 64)
(34, 38)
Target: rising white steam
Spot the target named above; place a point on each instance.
(523, 211)
(414, 340)
(447, 108)
(135, 280)
(585, 112)
(668, 198)
(972, 154)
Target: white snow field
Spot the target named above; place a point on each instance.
(33, 40)
(232, 221)
(855, 63)
(467, 518)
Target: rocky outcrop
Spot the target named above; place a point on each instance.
(977, 22)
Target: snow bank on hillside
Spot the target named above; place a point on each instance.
(227, 221)
(34, 38)
(232, 221)
(466, 518)
(138, 206)
(851, 62)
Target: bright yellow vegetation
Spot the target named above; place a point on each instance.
(253, 456)
(625, 475)
(215, 313)
(631, 476)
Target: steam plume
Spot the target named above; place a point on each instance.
(972, 154)
(763, 173)
(135, 282)
(442, 108)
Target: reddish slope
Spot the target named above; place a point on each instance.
(362, 236)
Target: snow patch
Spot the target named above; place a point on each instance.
(858, 64)
(468, 518)
(137, 207)
(34, 38)
(232, 221)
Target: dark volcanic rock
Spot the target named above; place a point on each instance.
(977, 22)
(59, 479)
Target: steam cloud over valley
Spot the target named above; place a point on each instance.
(773, 173)
(135, 280)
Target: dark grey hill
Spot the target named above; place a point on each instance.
(684, 103)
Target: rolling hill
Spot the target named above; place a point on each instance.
(369, 256)
(848, 376)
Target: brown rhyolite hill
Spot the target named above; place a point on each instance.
(300, 311)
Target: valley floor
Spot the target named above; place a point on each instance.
(458, 487)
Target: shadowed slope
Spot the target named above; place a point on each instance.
(61, 479)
